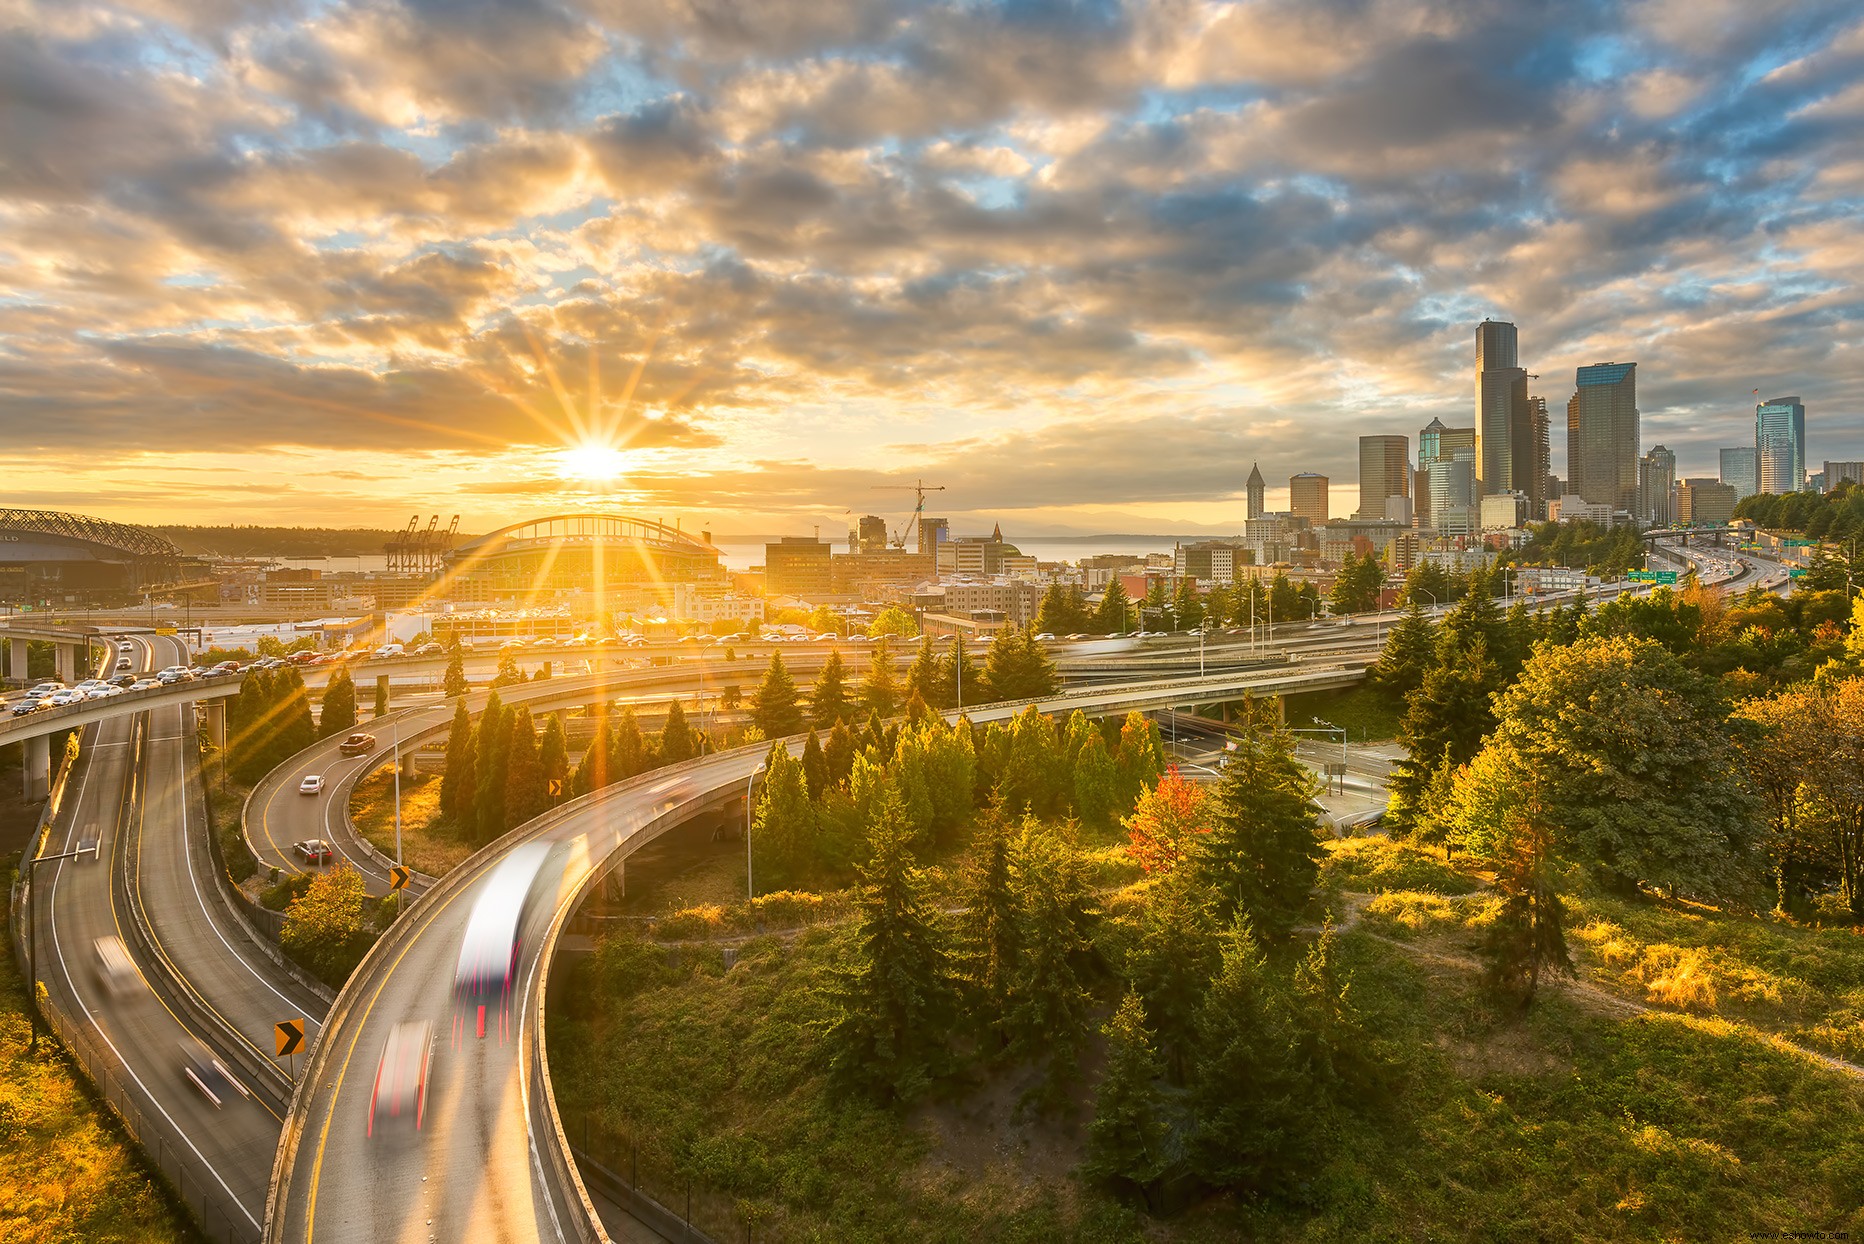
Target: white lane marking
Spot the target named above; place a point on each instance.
(524, 1104)
(59, 954)
(194, 880)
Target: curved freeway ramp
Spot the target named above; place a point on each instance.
(489, 1160)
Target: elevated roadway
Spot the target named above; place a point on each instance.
(492, 1161)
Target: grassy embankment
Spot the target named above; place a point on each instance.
(1366, 715)
(66, 1172)
(1590, 1118)
(428, 843)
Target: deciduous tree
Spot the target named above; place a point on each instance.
(1166, 823)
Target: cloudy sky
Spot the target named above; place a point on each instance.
(304, 262)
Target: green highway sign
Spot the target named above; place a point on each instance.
(1797, 572)
(1652, 576)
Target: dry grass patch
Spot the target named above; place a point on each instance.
(428, 843)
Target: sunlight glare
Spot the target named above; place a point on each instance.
(592, 462)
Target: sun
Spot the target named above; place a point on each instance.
(592, 461)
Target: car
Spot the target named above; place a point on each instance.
(389, 651)
(312, 784)
(313, 851)
(1076, 635)
(145, 684)
(90, 684)
(1119, 635)
(115, 970)
(90, 838)
(227, 667)
(125, 681)
(511, 643)
(31, 704)
(1045, 637)
(58, 699)
(124, 645)
(208, 1074)
(545, 642)
(401, 1075)
(358, 744)
(429, 650)
(123, 663)
(101, 693)
(46, 688)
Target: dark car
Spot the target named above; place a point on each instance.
(313, 851)
(356, 745)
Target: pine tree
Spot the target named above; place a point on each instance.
(1444, 723)
(1175, 951)
(775, 709)
(1017, 667)
(892, 1006)
(508, 674)
(628, 753)
(591, 772)
(1126, 1140)
(1140, 759)
(1114, 611)
(880, 691)
(1245, 1095)
(297, 729)
(989, 944)
(1262, 855)
(526, 795)
(815, 766)
(1409, 652)
(491, 751)
(959, 680)
(676, 737)
(1096, 782)
(1187, 610)
(1049, 998)
(1057, 615)
(828, 700)
(337, 714)
(784, 828)
(381, 697)
(839, 753)
(553, 756)
(456, 786)
(922, 674)
(455, 683)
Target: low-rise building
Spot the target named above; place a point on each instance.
(1702, 500)
(799, 566)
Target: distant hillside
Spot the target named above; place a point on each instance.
(279, 541)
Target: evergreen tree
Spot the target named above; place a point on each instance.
(1262, 854)
(526, 796)
(381, 697)
(880, 690)
(456, 786)
(828, 700)
(1187, 610)
(676, 737)
(1114, 611)
(784, 828)
(839, 753)
(454, 683)
(959, 680)
(1096, 782)
(815, 766)
(491, 752)
(1049, 997)
(553, 756)
(297, 728)
(591, 772)
(987, 930)
(1409, 652)
(1175, 951)
(892, 1006)
(628, 752)
(922, 674)
(508, 674)
(1444, 723)
(1017, 667)
(775, 709)
(337, 714)
(1245, 1095)
(1284, 601)
(1140, 759)
(1126, 1140)
(1059, 613)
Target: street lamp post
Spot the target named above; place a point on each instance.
(395, 726)
(750, 889)
(32, 928)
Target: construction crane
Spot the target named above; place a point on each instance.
(919, 489)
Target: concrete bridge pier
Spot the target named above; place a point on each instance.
(16, 660)
(68, 662)
(217, 724)
(38, 768)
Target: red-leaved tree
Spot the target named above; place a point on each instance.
(1166, 822)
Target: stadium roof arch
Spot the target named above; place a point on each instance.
(565, 552)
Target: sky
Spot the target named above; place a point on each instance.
(742, 265)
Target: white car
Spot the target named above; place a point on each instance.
(125, 645)
(58, 699)
(145, 684)
(311, 785)
(123, 663)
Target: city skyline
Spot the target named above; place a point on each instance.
(1075, 266)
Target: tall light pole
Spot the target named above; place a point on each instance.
(395, 726)
(32, 929)
(750, 890)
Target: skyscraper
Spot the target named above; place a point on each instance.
(1738, 470)
(1384, 467)
(1502, 423)
(1534, 459)
(1307, 496)
(1436, 443)
(1255, 487)
(1603, 437)
(1780, 445)
(1656, 480)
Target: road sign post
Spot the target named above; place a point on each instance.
(288, 1035)
(398, 876)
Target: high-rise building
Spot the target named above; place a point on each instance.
(1384, 473)
(1738, 471)
(1256, 486)
(1534, 460)
(1307, 496)
(1502, 422)
(1837, 473)
(1780, 445)
(1436, 443)
(932, 533)
(869, 535)
(1603, 438)
(1700, 501)
(1656, 479)
(1454, 509)
(798, 566)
